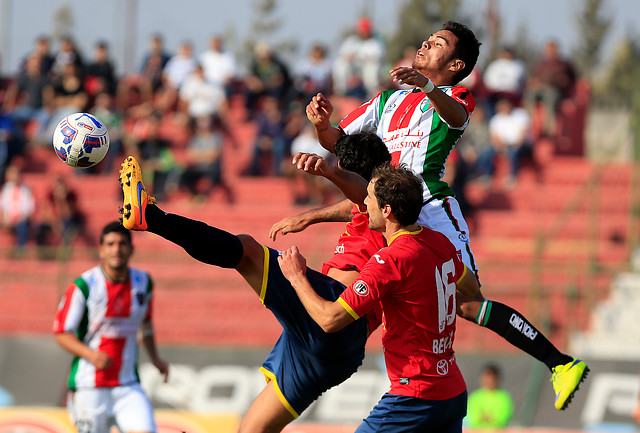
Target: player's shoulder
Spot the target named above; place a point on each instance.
(91, 274)
(434, 237)
(138, 275)
(462, 94)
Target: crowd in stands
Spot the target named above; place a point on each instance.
(193, 93)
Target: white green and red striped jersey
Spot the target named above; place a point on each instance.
(413, 131)
(106, 316)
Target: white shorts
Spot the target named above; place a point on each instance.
(444, 216)
(96, 410)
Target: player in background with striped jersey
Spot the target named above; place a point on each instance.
(98, 321)
(420, 128)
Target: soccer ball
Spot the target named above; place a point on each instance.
(81, 140)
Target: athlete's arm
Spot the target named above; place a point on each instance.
(149, 342)
(70, 342)
(352, 185)
(337, 212)
(330, 316)
(319, 112)
(468, 285)
(450, 110)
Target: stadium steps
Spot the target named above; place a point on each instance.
(198, 304)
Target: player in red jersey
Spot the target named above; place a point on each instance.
(420, 128)
(415, 279)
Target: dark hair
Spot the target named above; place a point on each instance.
(493, 369)
(114, 227)
(467, 48)
(361, 153)
(400, 188)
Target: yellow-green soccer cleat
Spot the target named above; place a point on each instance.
(136, 198)
(566, 380)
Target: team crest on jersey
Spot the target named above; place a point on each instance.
(425, 104)
(361, 288)
(442, 367)
(140, 298)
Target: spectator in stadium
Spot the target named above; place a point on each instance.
(199, 97)
(62, 220)
(510, 130)
(100, 73)
(104, 108)
(553, 79)
(152, 70)
(12, 141)
(176, 71)
(489, 407)
(220, 65)
(204, 159)
(308, 190)
(357, 67)
(41, 50)
(25, 96)
(17, 205)
(157, 154)
(313, 73)
(475, 147)
(68, 96)
(421, 130)
(267, 76)
(505, 77)
(100, 319)
(269, 148)
(68, 54)
(180, 65)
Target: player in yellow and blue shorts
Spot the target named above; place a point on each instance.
(305, 361)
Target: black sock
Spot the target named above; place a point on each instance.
(513, 327)
(201, 241)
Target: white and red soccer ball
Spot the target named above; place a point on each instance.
(81, 140)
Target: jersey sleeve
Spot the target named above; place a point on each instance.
(71, 310)
(465, 97)
(378, 277)
(363, 118)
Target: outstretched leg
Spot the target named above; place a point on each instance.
(201, 241)
(567, 372)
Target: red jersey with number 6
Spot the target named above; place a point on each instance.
(414, 279)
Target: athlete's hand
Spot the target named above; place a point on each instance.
(100, 360)
(319, 111)
(292, 264)
(312, 164)
(292, 224)
(406, 75)
(162, 367)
